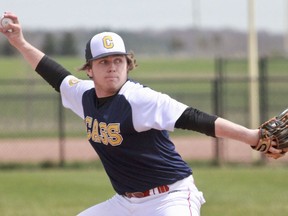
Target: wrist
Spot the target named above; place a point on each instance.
(254, 137)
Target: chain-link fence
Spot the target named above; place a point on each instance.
(35, 127)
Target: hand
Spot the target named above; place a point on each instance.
(13, 31)
(275, 153)
(268, 147)
(15, 37)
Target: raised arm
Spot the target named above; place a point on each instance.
(46, 67)
(14, 34)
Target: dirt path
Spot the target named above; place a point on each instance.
(78, 149)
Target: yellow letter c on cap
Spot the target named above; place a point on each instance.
(108, 42)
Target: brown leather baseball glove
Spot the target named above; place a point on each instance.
(274, 132)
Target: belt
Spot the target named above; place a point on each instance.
(154, 191)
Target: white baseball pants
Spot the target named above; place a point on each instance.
(183, 198)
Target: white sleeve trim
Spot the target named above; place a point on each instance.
(151, 109)
(72, 90)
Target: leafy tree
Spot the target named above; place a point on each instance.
(68, 45)
(49, 45)
(176, 44)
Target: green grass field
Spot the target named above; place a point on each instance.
(230, 191)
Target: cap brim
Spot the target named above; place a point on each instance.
(107, 54)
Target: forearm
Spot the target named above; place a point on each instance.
(230, 130)
(14, 34)
(31, 54)
(50, 70)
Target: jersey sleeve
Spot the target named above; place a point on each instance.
(152, 109)
(196, 120)
(52, 72)
(72, 90)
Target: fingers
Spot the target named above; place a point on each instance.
(274, 150)
(275, 153)
(10, 26)
(12, 16)
(13, 31)
(274, 156)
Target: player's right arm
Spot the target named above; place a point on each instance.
(50, 70)
(14, 34)
(56, 75)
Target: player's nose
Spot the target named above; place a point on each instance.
(112, 67)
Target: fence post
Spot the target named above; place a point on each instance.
(263, 89)
(263, 96)
(218, 105)
(61, 125)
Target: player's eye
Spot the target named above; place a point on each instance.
(103, 62)
(118, 61)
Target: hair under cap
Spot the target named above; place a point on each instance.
(104, 44)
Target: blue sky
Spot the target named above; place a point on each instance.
(152, 14)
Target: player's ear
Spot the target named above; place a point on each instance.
(89, 72)
(131, 61)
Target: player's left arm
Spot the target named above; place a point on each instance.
(196, 120)
(230, 130)
(211, 125)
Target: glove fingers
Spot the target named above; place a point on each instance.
(273, 136)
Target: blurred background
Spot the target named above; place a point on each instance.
(224, 57)
(190, 27)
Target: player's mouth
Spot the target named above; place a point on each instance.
(111, 78)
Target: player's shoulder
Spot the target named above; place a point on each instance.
(133, 88)
(139, 94)
(72, 82)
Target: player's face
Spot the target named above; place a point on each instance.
(109, 74)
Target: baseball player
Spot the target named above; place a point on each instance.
(127, 125)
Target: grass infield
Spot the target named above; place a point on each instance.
(229, 191)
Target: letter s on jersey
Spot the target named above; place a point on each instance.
(100, 132)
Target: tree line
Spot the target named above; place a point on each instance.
(64, 46)
(200, 43)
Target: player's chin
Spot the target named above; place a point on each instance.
(112, 88)
(114, 83)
